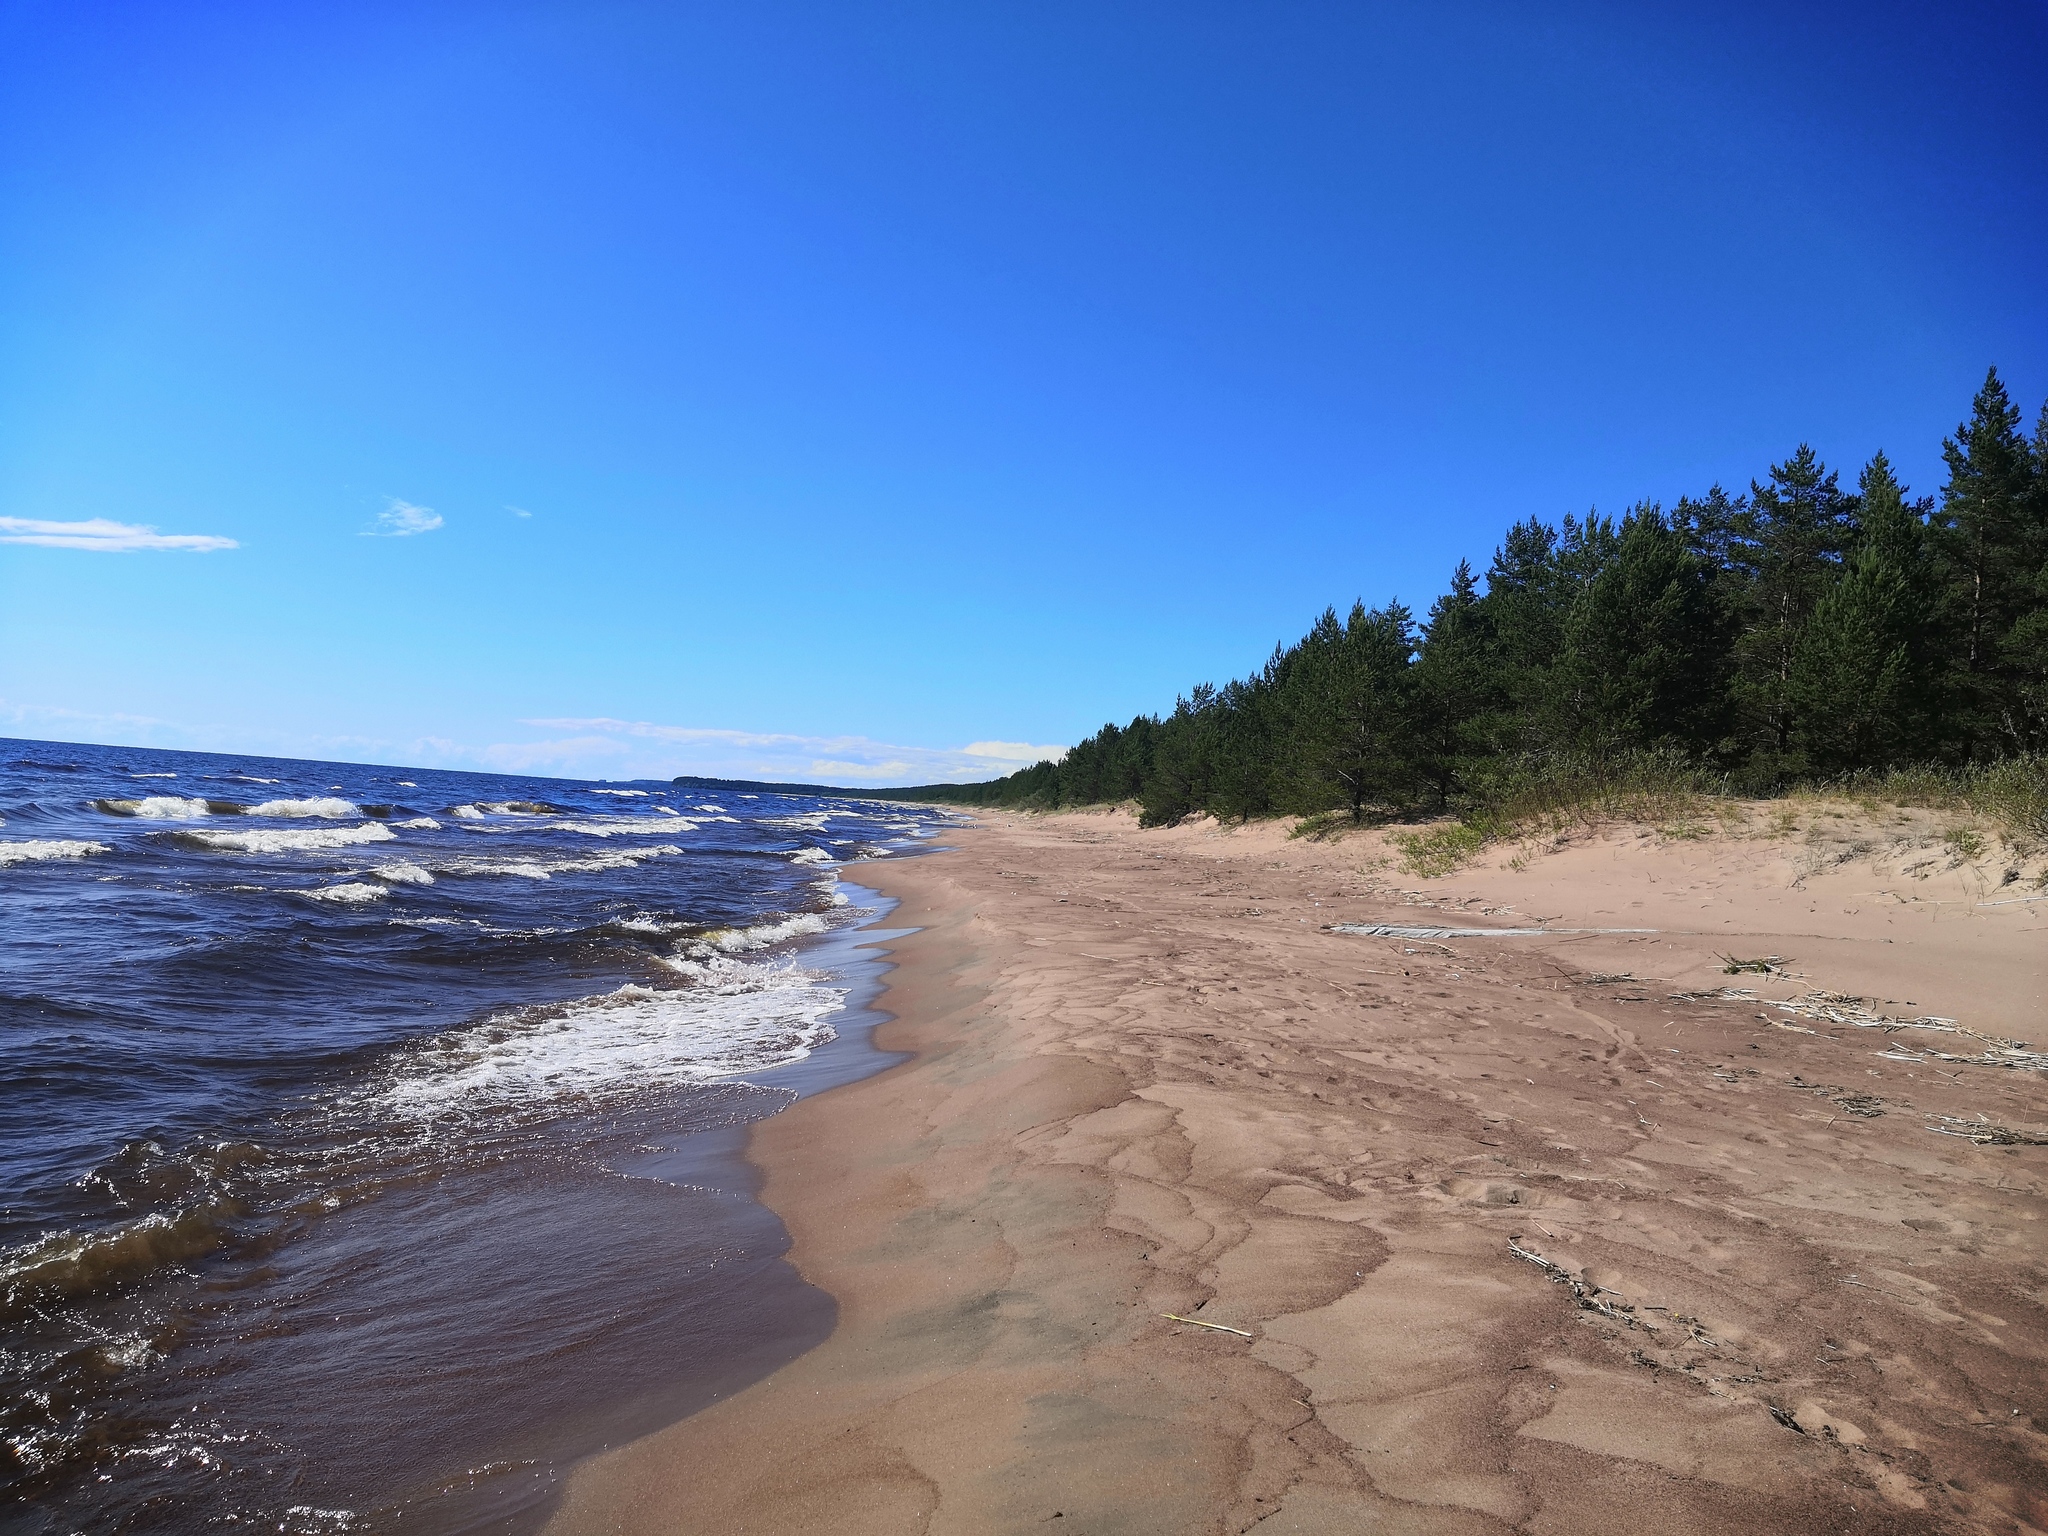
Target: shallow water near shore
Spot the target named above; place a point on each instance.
(371, 1138)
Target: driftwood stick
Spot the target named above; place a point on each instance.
(1198, 1323)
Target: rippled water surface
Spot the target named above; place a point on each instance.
(368, 1136)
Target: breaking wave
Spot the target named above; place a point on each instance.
(503, 808)
(67, 1264)
(735, 1018)
(355, 891)
(327, 806)
(739, 941)
(292, 839)
(37, 848)
(617, 826)
(157, 808)
(542, 868)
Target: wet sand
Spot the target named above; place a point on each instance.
(1521, 1239)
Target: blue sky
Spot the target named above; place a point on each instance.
(875, 393)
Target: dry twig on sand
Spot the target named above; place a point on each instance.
(1175, 1317)
(1852, 1012)
(1587, 1296)
(1868, 1105)
(1984, 1133)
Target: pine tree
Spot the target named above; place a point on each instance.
(1455, 684)
(1179, 784)
(1527, 594)
(1244, 766)
(1362, 739)
(1862, 685)
(2023, 649)
(1645, 648)
(1987, 533)
(1783, 553)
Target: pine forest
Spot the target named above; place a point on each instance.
(1800, 632)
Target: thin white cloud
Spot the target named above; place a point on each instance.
(401, 520)
(105, 535)
(86, 725)
(518, 511)
(825, 768)
(644, 749)
(1014, 752)
(524, 757)
(576, 749)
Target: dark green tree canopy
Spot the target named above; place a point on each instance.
(1796, 629)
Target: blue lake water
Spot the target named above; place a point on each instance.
(368, 1136)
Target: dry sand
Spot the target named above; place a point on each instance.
(1148, 1079)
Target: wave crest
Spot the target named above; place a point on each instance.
(327, 806)
(67, 1264)
(352, 893)
(735, 1018)
(32, 849)
(291, 839)
(156, 808)
(740, 941)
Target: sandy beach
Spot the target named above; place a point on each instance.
(1567, 1232)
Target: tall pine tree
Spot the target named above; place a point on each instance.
(1782, 554)
(1645, 648)
(1863, 682)
(1456, 684)
(1989, 534)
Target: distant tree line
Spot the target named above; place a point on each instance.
(1799, 631)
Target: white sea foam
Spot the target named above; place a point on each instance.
(326, 806)
(716, 810)
(156, 808)
(35, 849)
(403, 873)
(642, 925)
(483, 808)
(419, 824)
(618, 826)
(544, 868)
(641, 793)
(810, 856)
(735, 1018)
(296, 839)
(250, 778)
(740, 941)
(353, 892)
(810, 821)
(152, 775)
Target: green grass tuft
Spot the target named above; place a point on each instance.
(1440, 849)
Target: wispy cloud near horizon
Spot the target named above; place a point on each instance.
(105, 535)
(599, 748)
(401, 520)
(645, 749)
